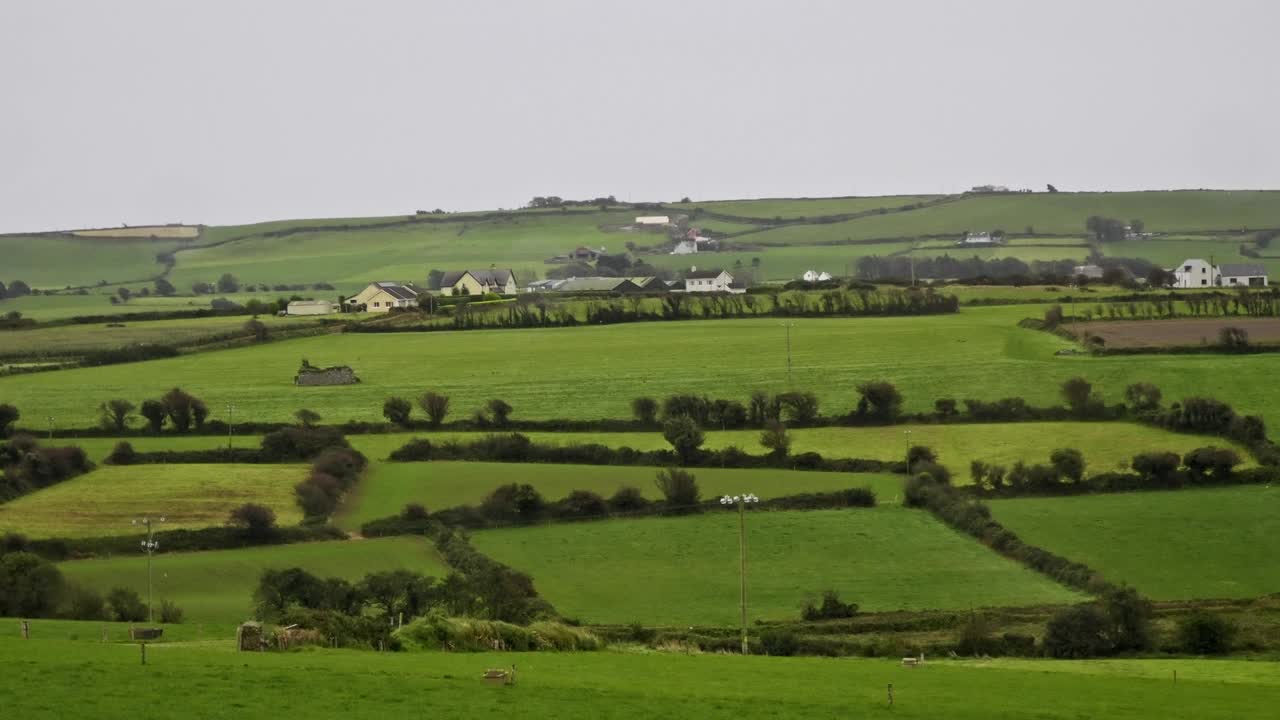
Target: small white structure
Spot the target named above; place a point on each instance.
(1092, 272)
(685, 247)
(312, 307)
(653, 220)
(979, 239)
(815, 276)
(710, 281)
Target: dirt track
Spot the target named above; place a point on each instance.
(1178, 332)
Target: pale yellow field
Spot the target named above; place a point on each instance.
(143, 231)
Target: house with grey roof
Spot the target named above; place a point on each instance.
(1196, 273)
(385, 295)
(1242, 275)
(478, 282)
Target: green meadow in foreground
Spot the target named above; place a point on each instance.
(217, 586)
(437, 485)
(977, 353)
(684, 570)
(1206, 543)
(209, 680)
(103, 502)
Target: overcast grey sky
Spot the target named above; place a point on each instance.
(224, 112)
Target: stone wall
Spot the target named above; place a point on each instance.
(340, 375)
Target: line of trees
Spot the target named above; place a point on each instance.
(25, 466)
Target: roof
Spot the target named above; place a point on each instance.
(484, 277)
(699, 274)
(399, 291)
(300, 303)
(1240, 269)
(593, 284)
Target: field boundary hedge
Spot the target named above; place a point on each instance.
(211, 538)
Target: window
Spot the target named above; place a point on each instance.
(1202, 270)
(1186, 268)
(375, 304)
(1204, 282)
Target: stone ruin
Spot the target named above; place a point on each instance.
(309, 374)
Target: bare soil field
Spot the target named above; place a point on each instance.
(1175, 333)
(148, 231)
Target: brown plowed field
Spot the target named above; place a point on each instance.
(1179, 332)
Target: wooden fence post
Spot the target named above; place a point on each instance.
(25, 625)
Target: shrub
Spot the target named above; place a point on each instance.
(1069, 463)
(1203, 633)
(917, 454)
(627, 499)
(1234, 338)
(945, 407)
(499, 412)
(779, 642)
(170, 613)
(1211, 463)
(1143, 397)
(29, 586)
(582, 504)
(684, 435)
(801, 408)
(831, 608)
(84, 604)
(513, 503)
(414, 511)
(115, 414)
(1159, 467)
(436, 406)
(183, 409)
(301, 443)
(680, 490)
(257, 520)
(645, 409)
(690, 406)
(1078, 394)
(307, 418)
(154, 412)
(396, 410)
(774, 438)
(1129, 616)
(1077, 632)
(8, 416)
(126, 606)
(879, 401)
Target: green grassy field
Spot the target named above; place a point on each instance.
(217, 587)
(788, 208)
(54, 262)
(1106, 446)
(437, 485)
(71, 340)
(105, 681)
(1212, 543)
(1170, 252)
(103, 502)
(979, 352)
(684, 571)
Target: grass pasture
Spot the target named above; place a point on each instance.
(58, 261)
(72, 340)
(684, 571)
(979, 352)
(1185, 544)
(217, 586)
(103, 502)
(105, 681)
(437, 485)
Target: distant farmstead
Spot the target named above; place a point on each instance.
(385, 295)
(1196, 273)
(312, 307)
(653, 220)
(710, 281)
(478, 282)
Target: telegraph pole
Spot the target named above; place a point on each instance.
(149, 545)
(231, 408)
(741, 501)
(788, 325)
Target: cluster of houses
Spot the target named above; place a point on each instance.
(981, 239)
(695, 281)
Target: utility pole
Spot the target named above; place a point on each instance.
(231, 408)
(907, 433)
(911, 253)
(50, 419)
(149, 545)
(788, 325)
(741, 501)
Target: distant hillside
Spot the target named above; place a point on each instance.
(781, 237)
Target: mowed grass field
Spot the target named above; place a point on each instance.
(437, 485)
(594, 372)
(1204, 543)
(103, 502)
(684, 570)
(1106, 445)
(105, 681)
(70, 340)
(217, 586)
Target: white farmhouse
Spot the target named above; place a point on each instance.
(710, 281)
(1196, 273)
(653, 220)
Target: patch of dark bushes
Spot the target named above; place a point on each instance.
(25, 466)
(967, 514)
(332, 474)
(127, 354)
(518, 448)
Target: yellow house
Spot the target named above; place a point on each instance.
(478, 282)
(383, 296)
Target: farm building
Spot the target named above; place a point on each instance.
(478, 282)
(312, 307)
(586, 254)
(653, 220)
(385, 295)
(1195, 272)
(815, 276)
(649, 283)
(599, 285)
(980, 239)
(1092, 272)
(710, 281)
